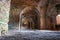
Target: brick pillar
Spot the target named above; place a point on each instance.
(43, 9)
(54, 22)
(42, 19)
(4, 14)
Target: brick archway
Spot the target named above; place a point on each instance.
(31, 14)
(52, 16)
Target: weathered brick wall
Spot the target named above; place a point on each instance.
(4, 13)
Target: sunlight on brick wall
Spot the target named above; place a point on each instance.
(4, 13)
(58, 19)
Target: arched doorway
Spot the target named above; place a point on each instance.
(53, 17)
(58, 17)
(29, 18)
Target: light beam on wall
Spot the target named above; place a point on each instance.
(58, 19)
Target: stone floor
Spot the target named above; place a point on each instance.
(31, 35)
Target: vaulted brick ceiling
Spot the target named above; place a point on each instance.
(24, 2)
